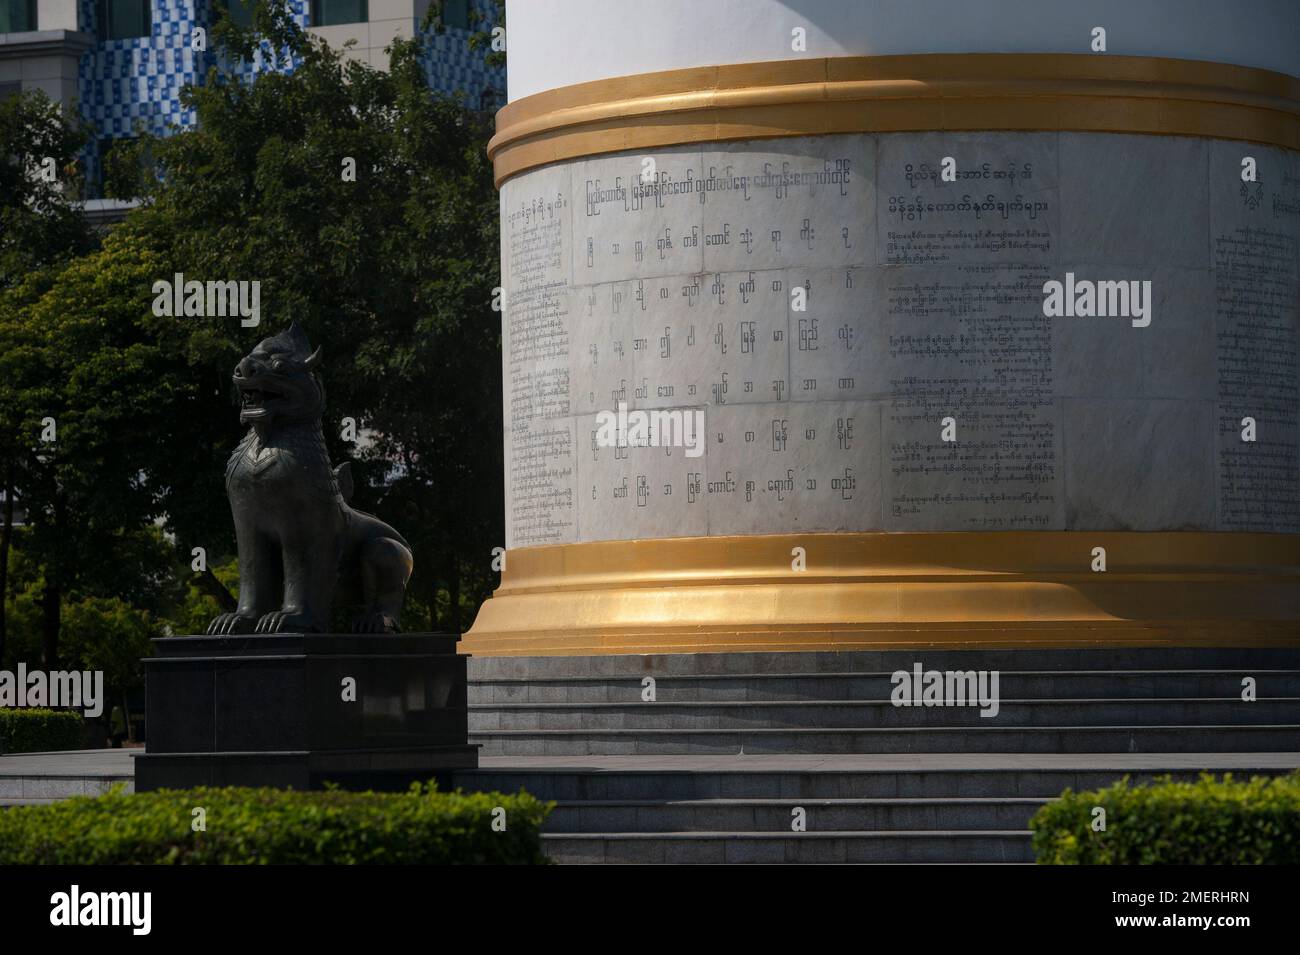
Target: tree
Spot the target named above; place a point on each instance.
(40, 227)
(40, 184)
(364, 206)
(95, 387)
(392, 271)
(111, 636)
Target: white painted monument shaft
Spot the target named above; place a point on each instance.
(858, 319)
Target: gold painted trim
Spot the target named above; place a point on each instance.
(871, 94)
(889, 591)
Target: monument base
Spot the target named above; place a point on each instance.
(887, 591)
(302, 710)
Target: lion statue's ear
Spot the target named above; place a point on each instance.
(292, 340)
(313, 360)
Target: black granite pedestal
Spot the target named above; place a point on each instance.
(279, 710)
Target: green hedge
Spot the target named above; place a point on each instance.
(1206, 822)
(273, 826)
(39, 731)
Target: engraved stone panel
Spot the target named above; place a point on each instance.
(1255, 255)
(1138, 464)
(633, 492)
(536, 262)
(809, 200)
(794, 466)
(1134, 200)
(637, 215)
(718, 338)
(837, 339)
(825, 303)
(1002, 207)
(601, 337)
(969, 344)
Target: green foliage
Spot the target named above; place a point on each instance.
(39, 220)
(1206, 822)
(39, 730)
(108, 634)
(24, 640)
(41, 227)
(198, 606)
(78, 347)
(275, 827)
(137, 591)
(391, 272)
(480, 37)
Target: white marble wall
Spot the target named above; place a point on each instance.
(923, 301)
(556, 43)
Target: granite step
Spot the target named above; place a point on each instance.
(927, 739)
(754, 665)
(704, 778)
(776, 815)
(878, 714)
(847, 846)
(795, 686)
(947, 808)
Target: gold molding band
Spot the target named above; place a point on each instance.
(891, 591)
(920, 92)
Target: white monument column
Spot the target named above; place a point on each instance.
(946, 328)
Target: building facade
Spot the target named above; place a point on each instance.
(123, 63)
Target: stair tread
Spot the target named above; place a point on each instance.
(806, 801)
(800, 763)
(853, 674)
(721, 796)
(811, 834)
(678, 704)
(1163, 727)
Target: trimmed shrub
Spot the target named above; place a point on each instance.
(1206, 822)
(274, 826)
(40, 730)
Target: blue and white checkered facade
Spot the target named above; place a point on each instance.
(133, 85)
(452, 66)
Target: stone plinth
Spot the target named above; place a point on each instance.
(301, 710)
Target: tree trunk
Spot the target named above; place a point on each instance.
(51, 607)
(52, 598)
(453, 594)
(6, 533)
(217, 590)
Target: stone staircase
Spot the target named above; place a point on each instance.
(715, 768)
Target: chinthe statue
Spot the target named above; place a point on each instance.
(299, 541)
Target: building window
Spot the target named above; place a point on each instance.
(17, 16)
(241, 12)
(455, 13)
(328, 13)
(123, 19)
